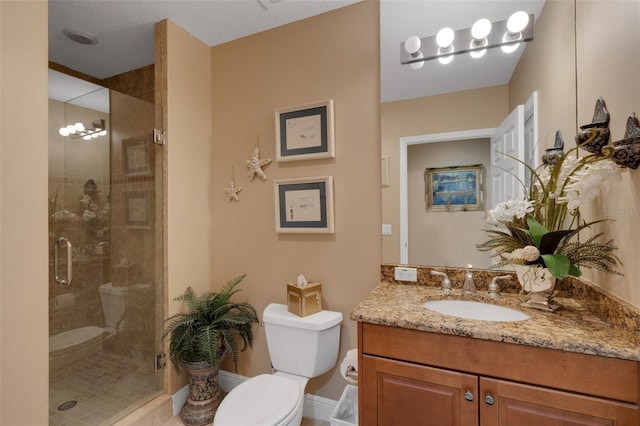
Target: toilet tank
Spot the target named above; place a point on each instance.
(304, 346)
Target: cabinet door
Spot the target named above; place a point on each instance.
(401, 394)
(505, 403)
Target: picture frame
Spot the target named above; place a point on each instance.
(137, 206)
(456, 188)
(305, 132)
(384, 171)
(304, 205)
(136, 155)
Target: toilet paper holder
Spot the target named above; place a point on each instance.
(351, 373)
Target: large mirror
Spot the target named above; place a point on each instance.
(453, 107)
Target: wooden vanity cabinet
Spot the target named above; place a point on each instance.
(410, 377)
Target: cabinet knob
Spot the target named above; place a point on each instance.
(468, 396)
(488, 399)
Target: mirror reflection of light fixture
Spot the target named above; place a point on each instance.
(86, 131)
(444, 40)
(479, 32)
(483, 35)
(515, 24)
(412, 45)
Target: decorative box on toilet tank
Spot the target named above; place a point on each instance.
(304, 301)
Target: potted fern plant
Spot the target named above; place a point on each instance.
(200, 338)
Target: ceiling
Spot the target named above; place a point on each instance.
(125, 33)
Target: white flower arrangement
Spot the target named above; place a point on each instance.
(539, 229)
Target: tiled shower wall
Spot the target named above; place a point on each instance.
(79, 304)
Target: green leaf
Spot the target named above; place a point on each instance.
(557, 264)
(536, 229)
(549, 242)
(574, 271)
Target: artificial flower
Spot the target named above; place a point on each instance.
(540, 229)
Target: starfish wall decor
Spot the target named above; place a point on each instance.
(232, 192)
(255, 165)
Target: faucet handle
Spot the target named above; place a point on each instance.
(446, 284)
(494, 288)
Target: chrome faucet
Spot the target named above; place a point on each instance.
(494, 288)
(469, 286)
(446, 284)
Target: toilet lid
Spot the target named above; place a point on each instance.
(262, 400)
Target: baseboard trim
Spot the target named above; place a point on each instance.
(315, 407)
(178, 399)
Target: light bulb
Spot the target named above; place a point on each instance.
(63, 131)
(445, 37)
(79, 127)
(412, 44)
(476, 44)
(94, 135)
(71, 129)
(103, 133)
(481, 29)
(417, 65)
(86, 137)
(518, 22)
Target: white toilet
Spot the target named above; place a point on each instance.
(300, 348)
(114, 300)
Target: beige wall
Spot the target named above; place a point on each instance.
(23, 221)
(331, 56)
(613, 74)
(599, 71)
(190, 168)
(441, 237)
(548, 67)
(452, 112)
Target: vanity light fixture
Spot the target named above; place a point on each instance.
(444, 40)
(483, 35)
(479, 32)
(86, 131)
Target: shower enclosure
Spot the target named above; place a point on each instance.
(105, 257)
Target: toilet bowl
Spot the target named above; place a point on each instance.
(300, 348)
(114, 302)
(275, 400)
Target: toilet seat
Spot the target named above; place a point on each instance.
(264, 400)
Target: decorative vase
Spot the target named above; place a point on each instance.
(538, 284)
(204, 393)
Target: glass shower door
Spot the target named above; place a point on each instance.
(105, 237)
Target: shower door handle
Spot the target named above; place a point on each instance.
(56, 261)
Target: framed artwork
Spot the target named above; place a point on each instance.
(304, 205)
(305, 132)
(384, 170)
(454, 188)
(136, 155)
(137, 209)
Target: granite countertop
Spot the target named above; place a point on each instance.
(572, 328)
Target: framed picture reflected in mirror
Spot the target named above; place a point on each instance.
(454, 188)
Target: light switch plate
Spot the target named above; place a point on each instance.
(386, 229)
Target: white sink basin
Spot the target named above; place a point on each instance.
(475, 310)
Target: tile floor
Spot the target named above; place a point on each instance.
(305, 422)
(103, 385)
(106, 384)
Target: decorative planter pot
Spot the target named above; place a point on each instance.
(538, 284)
(204, 393)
